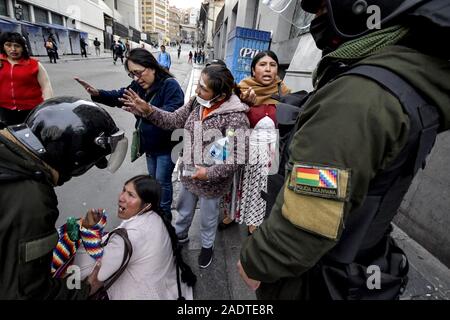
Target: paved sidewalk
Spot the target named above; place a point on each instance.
(429, 279)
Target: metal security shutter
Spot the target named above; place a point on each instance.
(57, 19)
(3, 8)
(40, 15)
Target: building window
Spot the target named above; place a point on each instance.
(301, 19)
(3, 8)
(40, 15)
(57, 19)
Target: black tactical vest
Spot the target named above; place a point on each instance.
(367, 225)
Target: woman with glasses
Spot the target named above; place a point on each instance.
(157, 87)
(206, 171)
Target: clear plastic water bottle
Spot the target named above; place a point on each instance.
(219, 151)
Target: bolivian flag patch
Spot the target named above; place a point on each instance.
(319, 181)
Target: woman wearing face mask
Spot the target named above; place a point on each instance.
(151, 271)
(157, 86)
(219, 109)
(257, 91)
(24, 83)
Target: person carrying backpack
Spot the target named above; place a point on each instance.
(380, 98)
(51, 51)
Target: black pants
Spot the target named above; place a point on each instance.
(52, 56)
(83, 52)
(11, 117)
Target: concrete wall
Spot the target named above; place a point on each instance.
(84, 11)
(425, 211)
(298, 75)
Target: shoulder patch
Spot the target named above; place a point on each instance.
(319, 181)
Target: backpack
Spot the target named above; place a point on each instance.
(288, 109)
(49, 45)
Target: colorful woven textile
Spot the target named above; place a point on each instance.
(66, 248)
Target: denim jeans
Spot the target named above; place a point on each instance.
(160, 166)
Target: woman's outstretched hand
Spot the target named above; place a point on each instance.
(135, 104)
(90, 89)
(248, 96)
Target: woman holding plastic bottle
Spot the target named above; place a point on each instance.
(215, 109)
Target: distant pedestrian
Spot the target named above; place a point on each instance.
(83, 46)
(55, 46)
(164, 58)
(118, 51)
(190, 57)
(49, 45)
(195, 56)
(97, 47)
(179, 51)
(113, 45)
(127, 48)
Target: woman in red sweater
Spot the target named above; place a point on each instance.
(24, 83)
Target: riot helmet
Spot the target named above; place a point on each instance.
(71, 135)
(350, 19)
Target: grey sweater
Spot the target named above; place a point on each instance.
(197, 141)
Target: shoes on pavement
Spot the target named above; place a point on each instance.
(205, 257)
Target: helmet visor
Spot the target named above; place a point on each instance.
(119, 147)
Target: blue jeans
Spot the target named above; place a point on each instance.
(160, 166)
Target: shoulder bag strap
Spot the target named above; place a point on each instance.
(128, 251)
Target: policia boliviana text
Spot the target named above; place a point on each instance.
(61, 138)
(380, 98)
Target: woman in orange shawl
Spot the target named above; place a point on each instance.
(257, 90)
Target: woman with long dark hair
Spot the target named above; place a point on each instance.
(155, 86)
(155, 269)
(24, 83)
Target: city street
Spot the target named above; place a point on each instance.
(98, 188)
(429, 278)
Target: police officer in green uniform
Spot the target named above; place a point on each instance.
(381, 96)
(61, 138)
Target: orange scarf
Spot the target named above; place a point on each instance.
(264, 93)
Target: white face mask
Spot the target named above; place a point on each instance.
(205, 103)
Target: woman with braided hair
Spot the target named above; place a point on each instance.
(156, 270)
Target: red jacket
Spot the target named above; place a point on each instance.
(19, 86)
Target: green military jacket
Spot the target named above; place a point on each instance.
(28, 207)
(351, 126)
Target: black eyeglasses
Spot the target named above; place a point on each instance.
(136, 74)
